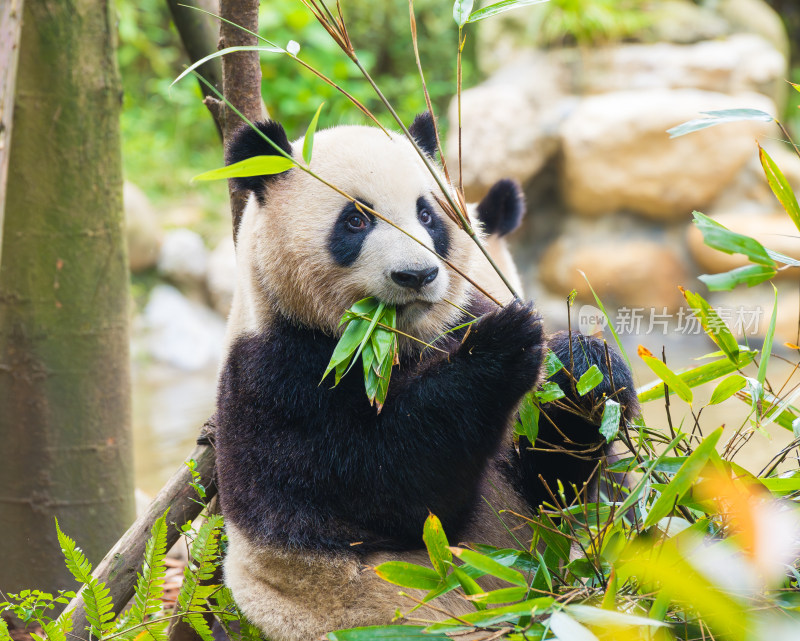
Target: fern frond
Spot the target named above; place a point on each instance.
(192, 598)
(150, 584)
(77, 563)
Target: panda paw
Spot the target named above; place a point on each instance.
(510, 335)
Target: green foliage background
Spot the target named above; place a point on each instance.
(168, 135)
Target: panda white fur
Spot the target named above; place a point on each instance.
(315, 485)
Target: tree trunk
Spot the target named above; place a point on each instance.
(241, 79)
(10, 27)
(64, 366)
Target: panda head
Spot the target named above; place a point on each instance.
(306, 251)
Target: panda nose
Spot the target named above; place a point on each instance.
(415, 278)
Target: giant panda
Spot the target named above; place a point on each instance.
(317, 487)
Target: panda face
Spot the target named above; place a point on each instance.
(312, 252)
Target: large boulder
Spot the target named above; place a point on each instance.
(634, 273)
(774, 230)
(740, 63)
(617, 155)
(756, 16)
(142, 230)
(183, 258)
(509, 125)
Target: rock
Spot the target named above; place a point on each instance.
(740, 63)
(756, 16)
(618, 156)
(183, 258)
(180, 332)
(142, 230)
(221, 277)
(633, 273)
(509, 125)
(684, 22)
(775, 231)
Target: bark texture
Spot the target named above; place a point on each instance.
(64, 365)
(241, 79)
(10, 28)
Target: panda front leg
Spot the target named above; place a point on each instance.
(569, 447)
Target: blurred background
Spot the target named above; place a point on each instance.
(572, 98)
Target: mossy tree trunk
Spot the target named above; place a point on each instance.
(64, 366)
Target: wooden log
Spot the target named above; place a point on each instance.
(120, 566)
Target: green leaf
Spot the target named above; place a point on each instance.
(503, 595)
(485, 618)
(77, 564)
(408, 575)
(255, 166)
(308, 141)
(684, 478)
(612, 414)
(727, 388)
(720, 117)
(461, 11)
(609, 618)
(548, 392)
(385, 633)
(719, 237)
(529, 418)
(470, 586)
(501, 7)
(436, 541)
(222, 52)
(780, 186)
(766, 350)
(713, 325)
(699, 375)
(347, 345)
(376, 317)
(674, 382)
(590, 379)
(553, 537)
(552, 364)
(749, 275)
(488, 566)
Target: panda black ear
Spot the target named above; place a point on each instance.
(246, 142)
(423, 131)
(502, 209)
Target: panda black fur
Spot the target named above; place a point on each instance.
(315, 485)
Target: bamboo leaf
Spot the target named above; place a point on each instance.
(308, 141)
(699, 375)
(568, 629)
(408, 575)
(461, 11)
(348, 343)
(749, 275)
(766, 350)
(488, 566)
(720, 117)
(727, 388)
(609, 618)
(470, 587)
(780, 186)
(485, 618)
(222, 52)
(683, 479)
(609, 425)
(386, 633)
(719, 237)
(713, 325)
(255, 166)
(590, 379)
(503, 595)
(436, 541)
(674, 382)
(528, 418)
(552, 364)
(548, 392)
(501, 7)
